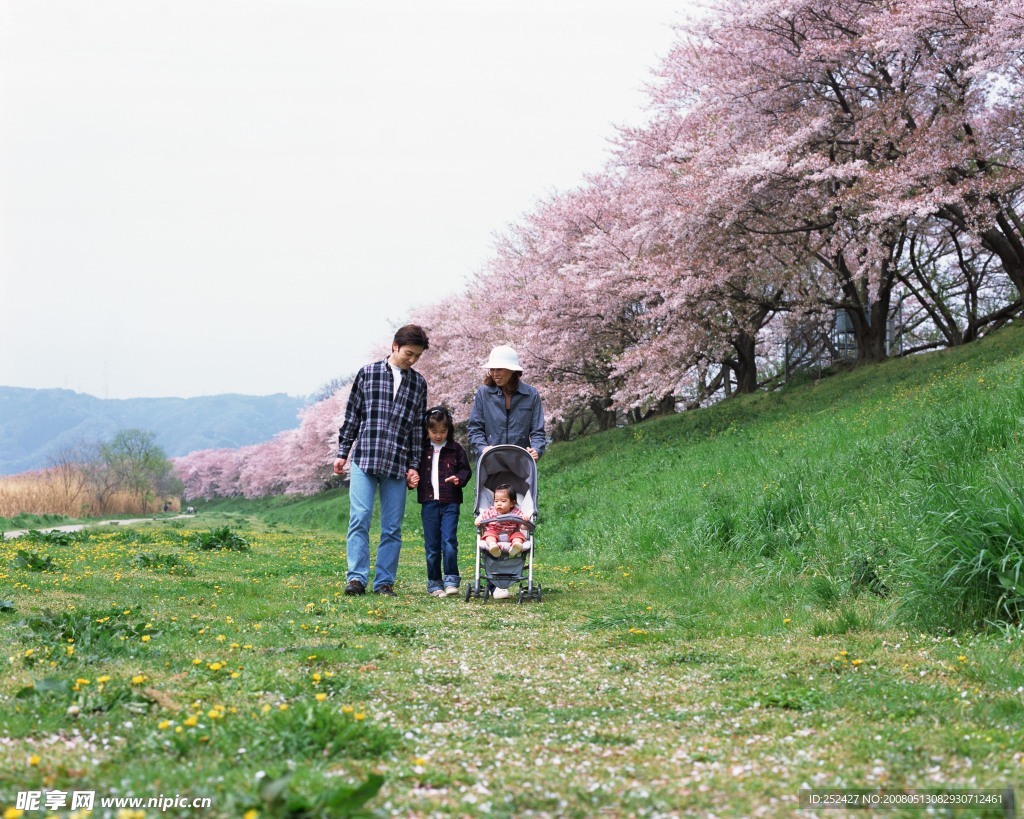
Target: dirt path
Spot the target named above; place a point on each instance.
(77, 527)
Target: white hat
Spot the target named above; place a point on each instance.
(503, 358)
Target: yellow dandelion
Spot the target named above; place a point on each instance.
(283, 706)
(146, 638)
(163, 725)
(265, 709)
(138, 679)
(192, 721)
(34, 760)
(321, 697)
(359, 716)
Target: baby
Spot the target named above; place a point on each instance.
(504, 504)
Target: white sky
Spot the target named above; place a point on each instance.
(209, 196)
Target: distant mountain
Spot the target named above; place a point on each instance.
(35, 423)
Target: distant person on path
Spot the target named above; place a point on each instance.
(505, 410)
(381, 442)
(514, 535)
(445, 470)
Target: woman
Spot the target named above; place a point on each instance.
(505, 410)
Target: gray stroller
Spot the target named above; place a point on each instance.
(513, 466)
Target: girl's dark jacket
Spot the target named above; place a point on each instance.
(453, 462)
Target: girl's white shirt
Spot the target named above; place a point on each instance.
(434, 461)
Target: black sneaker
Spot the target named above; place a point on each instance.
(355, 587)
(386, 590)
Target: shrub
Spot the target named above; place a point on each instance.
(221, 539)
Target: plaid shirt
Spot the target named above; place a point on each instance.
(386, 432)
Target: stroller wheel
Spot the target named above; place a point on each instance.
(469, 591)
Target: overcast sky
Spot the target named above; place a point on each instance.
(209, 196)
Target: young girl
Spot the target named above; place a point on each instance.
(444, 470)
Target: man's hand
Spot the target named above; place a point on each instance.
(339, 466)
(412, 478)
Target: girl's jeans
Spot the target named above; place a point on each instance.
(440, 525)
(362, 487)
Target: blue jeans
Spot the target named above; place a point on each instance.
(362, 487)
(440, 526)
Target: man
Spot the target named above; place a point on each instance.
(381, 442)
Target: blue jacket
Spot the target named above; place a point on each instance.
(490, 424)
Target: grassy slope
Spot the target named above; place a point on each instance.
(739, 602)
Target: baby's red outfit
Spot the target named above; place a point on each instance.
(503, 527)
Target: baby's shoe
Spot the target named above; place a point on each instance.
(495, 550)
(515, 548)
(499, 594)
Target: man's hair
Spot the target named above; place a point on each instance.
(506, 488)
(411, 335)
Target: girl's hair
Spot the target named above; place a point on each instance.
(509, 490)
(441, 415)
(513, 380)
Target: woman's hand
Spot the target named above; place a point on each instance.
(533, 453)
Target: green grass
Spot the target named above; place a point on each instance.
(814, 588)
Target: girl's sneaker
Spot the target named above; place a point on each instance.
(500, 594)
(437, 593)
(451, 590)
